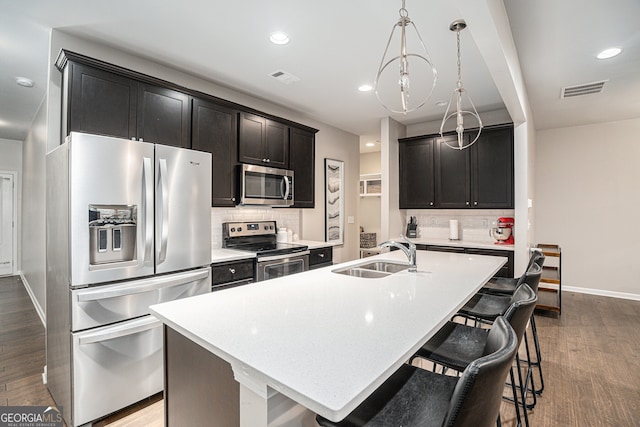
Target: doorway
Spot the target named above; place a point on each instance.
(7, 224)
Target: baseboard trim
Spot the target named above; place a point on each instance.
(603, 293)
(34, 301)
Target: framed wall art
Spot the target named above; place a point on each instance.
(334, 200)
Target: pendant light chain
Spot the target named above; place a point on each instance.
(459, 84)
(459, 112)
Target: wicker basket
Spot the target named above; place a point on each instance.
(367, 240)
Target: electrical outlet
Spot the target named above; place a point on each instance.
(350, 220)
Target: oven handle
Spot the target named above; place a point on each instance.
(284, 256)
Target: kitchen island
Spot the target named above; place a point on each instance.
(268, 353)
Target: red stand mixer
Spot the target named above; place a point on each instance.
(503, 233)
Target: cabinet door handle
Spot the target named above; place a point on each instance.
(430, 203)
(467, 203)
(475, 203)
(264, 160)
(268, 160)
(232, 270)
(321, 255)
(233, 199)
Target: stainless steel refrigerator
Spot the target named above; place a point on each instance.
(128, 226)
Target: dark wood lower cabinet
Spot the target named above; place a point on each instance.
(507, 270)
(320, 257)
(200, 389)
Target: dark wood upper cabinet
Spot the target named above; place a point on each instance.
(105, 99)
(416, 168)
(302, 149)
(492, 168)
(215, 130)
(479, 177)
(164, 116)
(452, 175)
(98, 102)
(263, 141)
(102, 102)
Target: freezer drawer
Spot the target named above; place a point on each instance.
(115, 366)
(103, 305)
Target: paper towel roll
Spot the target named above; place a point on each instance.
(453, 229)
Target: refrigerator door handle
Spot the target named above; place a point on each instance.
(120, 331)
(164, 215)
(140, 286)
(147, 177)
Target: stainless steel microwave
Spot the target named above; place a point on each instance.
(260, 185)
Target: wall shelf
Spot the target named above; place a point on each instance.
(370, 185)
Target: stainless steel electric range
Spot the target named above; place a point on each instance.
(273, 258)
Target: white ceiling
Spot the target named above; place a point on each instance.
(335, 47)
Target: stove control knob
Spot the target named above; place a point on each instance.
(266, 227)
(239, 229)
(233, 229)
(271, 227)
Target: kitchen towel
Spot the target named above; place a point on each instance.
(453, 229)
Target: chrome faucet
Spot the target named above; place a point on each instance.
(410, 252)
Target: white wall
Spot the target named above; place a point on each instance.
(588, 187)
(33, 218)
(369, 207)
(335, 144)
(11, 161)
(393, 221)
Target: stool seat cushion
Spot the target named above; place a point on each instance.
(411, 397)
(455, 345)
(486, 306)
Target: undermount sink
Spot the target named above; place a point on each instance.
(372, 270)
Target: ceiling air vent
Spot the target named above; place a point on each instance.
(284, 77)
(584, 89)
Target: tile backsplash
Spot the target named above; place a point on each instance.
(289, 218)
(473, 225)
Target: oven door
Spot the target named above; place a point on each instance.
(281, 265)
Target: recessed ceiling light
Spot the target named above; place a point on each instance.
(609, 53)
(279, 38)
(365, 88)
(441, 103)
(370, 144)
(23, 81)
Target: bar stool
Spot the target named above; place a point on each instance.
(508, 285)
(456, 345)
(485, 307)
(505, 287)
(414, 397)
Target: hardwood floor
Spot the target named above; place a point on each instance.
(591, 362)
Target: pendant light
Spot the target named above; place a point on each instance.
(392, 84)
(458, 97)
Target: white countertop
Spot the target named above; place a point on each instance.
(224, 255)
(328, 340)
(461, 243)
